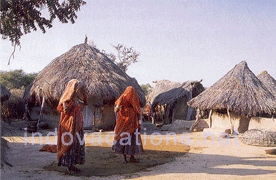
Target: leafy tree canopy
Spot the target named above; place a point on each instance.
(22, 16)
(16, 79)
(146, 88)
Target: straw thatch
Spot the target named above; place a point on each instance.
(172, 95)
(240, 91)
(5, 94)
(104, 80)
(259, 137)
(161, 87)
(268, 81)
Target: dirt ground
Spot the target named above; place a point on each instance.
(102, 161)
(165, 157)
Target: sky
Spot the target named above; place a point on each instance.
(178, 40)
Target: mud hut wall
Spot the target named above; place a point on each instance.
(181, 109)
(262, 123)
(220, 120)
(185, 125)
(203, 123)
(109, 117)
(50, 115)
(105, 117)
(243, 123)
(52, 119)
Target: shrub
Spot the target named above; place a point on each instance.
(14, 107)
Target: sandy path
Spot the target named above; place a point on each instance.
(210, 161)
(233, 161)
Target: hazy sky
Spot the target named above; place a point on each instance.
(178, 40)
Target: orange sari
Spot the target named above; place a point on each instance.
(127, 120)
(70, 105)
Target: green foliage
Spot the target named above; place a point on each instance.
(21, 16)
(125, 56)
(14, 107)
(146, 88)
(16, 79)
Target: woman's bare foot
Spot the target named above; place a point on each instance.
(133, 160)
(72, 170)
(125, 158)
(75, 169)
(69, 170)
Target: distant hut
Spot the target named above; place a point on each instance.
(104, 81)
(173, 97)
(160, 87)
(5, 94)
(268, 81)
(235, 98)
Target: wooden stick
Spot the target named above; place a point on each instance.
(210, 118)
(196, 121)
(232, 127)
(94, 117)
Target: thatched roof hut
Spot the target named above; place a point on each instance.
(174, 96)
(239, 92)
(5, 94)
(268, 81)
(162, 86)
(104, 80)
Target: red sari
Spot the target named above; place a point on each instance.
(70, 105)
(128, 122)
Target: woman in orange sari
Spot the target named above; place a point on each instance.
(70, 146)
(127, 140)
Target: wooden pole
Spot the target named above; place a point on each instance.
(210, 118)
(232, 127)
(40, 117)
(196, 121)
(94, 117)
(153, 118)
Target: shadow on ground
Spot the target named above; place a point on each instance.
(101, 161)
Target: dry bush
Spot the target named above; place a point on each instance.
(14, 107)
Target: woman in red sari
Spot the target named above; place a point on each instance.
(70, 151)
(127, 140)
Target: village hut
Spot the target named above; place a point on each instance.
(160, 87)
(173, 97)
(268, 81)
(5, 94)
(235, 98)
(104, 81)
(265, 121)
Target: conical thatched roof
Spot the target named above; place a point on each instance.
(268, 81)
(161, 87)
(240, 91)
(5, 94)
(189, 89)
(104, 80)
